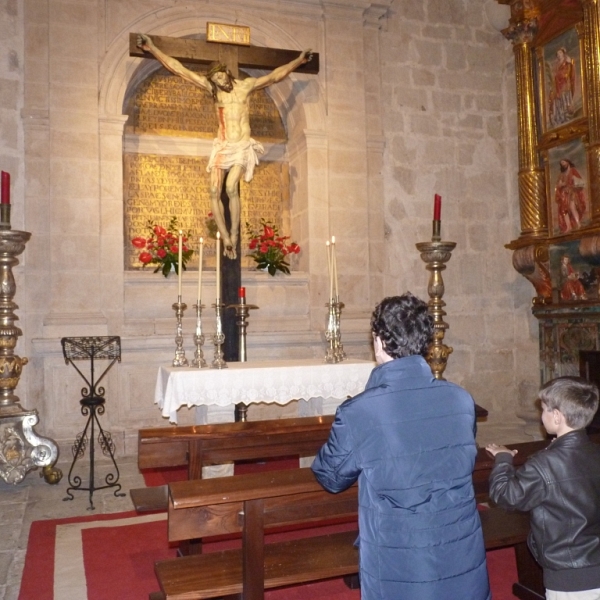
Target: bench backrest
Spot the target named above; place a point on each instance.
(251, 504)
(200, 445)
(224, 505)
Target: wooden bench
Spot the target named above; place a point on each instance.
(255, 503)
(202, 445)
(198, 446)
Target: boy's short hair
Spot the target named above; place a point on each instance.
(575, 397)
(404, 325)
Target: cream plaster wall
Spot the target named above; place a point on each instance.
(413, 98)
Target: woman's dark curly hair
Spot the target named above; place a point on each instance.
(404, 325)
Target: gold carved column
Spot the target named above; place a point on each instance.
(591, 42)
(532, 190)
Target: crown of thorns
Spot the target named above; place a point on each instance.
(218, 68)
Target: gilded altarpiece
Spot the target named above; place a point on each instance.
(157, 186)
(556, 45)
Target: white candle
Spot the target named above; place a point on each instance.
(328, 244)
(334, 267)
(180, 264)
(200, 254)
(218, 296)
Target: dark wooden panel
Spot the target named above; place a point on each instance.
(150, 499)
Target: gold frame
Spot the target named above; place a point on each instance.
(551, 133)
(573, 150)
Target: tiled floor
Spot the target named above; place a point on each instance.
(34, 499)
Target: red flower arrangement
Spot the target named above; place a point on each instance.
(270, 250)
(211, 226)
(161, 247)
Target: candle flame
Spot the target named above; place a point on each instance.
(202, 240)
(218, 235)
(333, 239)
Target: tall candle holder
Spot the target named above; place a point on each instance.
(198, 360)
(180, 360)
(242, 312)
(21, 449)
(218, 339)
(335, 352)
(435, 254)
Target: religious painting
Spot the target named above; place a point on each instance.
(561, 80)
(568, 189)
(575, 278)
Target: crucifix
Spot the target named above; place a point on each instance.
(234, 153)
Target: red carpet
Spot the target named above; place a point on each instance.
(111, 557)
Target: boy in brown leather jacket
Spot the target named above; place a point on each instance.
(560, 485)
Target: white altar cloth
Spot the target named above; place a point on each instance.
(249, 382)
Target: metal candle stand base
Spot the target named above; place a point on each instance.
(180, 360)
(21, 450)
(335, 353)
(199, 362)
(435, 254)
(218, 340)
(92, 405)
(242, 312)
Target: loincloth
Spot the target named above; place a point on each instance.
(226, 154)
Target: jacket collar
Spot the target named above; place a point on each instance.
(411, 367)
(573, 438)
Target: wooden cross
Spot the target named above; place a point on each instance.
(203, 52)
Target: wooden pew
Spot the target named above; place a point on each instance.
(190, 515)
(201, 445)
(255, 503)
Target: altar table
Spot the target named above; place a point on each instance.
(276, 382)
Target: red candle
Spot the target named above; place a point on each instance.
(242, 292)
(5, 199)
(437, 207)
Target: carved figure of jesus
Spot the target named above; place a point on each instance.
(234, 151)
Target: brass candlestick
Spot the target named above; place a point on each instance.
(435, 254)
(198, 360)
(179, 360)
(242, 312)
(21, 450)
(218, 340)
(333, 334)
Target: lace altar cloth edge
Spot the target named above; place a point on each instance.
(271, 382)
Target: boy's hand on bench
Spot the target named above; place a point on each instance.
(494, 449)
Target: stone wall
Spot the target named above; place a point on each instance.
(413, 98)
(449, 102)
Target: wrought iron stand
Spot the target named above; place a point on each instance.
(92, 405)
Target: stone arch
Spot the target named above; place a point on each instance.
(299, 101)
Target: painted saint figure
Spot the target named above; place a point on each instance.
(572, 288)
(563, 89)
(569, 196)
(234, 151)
